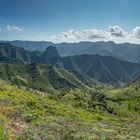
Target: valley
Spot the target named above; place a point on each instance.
(69, 70)
(44, 96)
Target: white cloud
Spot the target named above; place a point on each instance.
(92, 34)
(65, 36)
(117, 31)
(136, 32)
(88, 34)
(13, 28)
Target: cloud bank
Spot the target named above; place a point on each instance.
(89, 34)
(113, 33)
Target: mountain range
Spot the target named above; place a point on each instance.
(123, 51)
(44, 95)
(106, 69)
(102, 68)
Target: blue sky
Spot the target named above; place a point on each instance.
(44, 19)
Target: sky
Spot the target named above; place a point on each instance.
(70, 20)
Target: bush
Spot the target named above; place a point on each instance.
(2, 135)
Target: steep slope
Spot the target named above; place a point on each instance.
(30, 45)
(104, 69)
(49, 53)
(42, 77)
(124, 51)
(11, 53)
(125, 100)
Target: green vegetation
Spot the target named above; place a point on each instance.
(44, 78)
(70, 115)
(105, 69)
(45, 102)
(2, 135)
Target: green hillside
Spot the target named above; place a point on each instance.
(63, 101)
(44, 78)
(70, 115)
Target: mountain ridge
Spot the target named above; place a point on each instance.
(124, 51)
(99, 67)
(102, 68)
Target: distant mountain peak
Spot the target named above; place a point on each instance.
(51, 51)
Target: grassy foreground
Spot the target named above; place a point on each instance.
(73, 115)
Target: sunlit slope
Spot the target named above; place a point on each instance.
(29, 115)
(43, 77)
